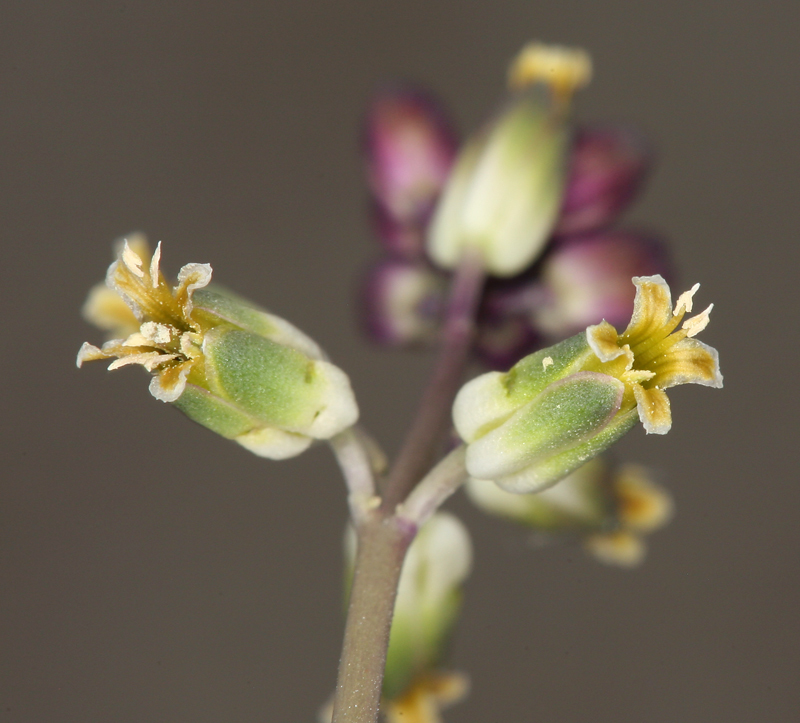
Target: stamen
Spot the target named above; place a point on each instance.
(697, 323)
(132, 261)
(685, 301)
(154, 272)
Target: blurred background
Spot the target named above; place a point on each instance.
(152, 571)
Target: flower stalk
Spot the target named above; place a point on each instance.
(433, 416)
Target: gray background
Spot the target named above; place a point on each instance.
(153, 572)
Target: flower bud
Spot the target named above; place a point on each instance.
(607, 168)
(428, 599)
(402, 303)
(240, 371)
(588, 278)
(610, 507)
(579, 503)
(561, 406)
(410, 146)
(505, 191)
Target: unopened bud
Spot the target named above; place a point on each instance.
(410, 146)
(587, 278)
(428, 599)
(402, 303)
(505, 191)
(607, 166)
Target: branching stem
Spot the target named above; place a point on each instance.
(384, 532)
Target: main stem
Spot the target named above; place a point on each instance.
(433, 415)
(382, 545)
(383, 537)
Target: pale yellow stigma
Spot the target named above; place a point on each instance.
(564, 69)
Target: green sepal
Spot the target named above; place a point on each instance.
(215, 413)
(275, 384)
(565, 415)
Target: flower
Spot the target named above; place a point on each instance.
(609, 507)
(587, 277)
(640, 506)
(240, 371)
(558, 408)
(426, 696)
(409, 147)
(428, 600)
(402, 302)
(652, 354)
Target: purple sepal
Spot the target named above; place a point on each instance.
(608, 165)
(409, 145)
(587, 278)
(401, 303)
(405, 241)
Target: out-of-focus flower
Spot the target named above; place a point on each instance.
(402, 302)
(561, 406)
(609, 507)
(505, 191)
(587, 278)
(608, 165)
(426, 697)
(428, 601)
(409, 147)
(243, 373)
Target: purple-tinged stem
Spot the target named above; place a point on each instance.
(433, 416)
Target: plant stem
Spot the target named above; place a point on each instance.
(441, 482)
(383, 536)
(431, 423)
(382, 545)
(356, 465)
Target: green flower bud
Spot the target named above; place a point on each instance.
(579, 503)
(505, 191)
(236, 369)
